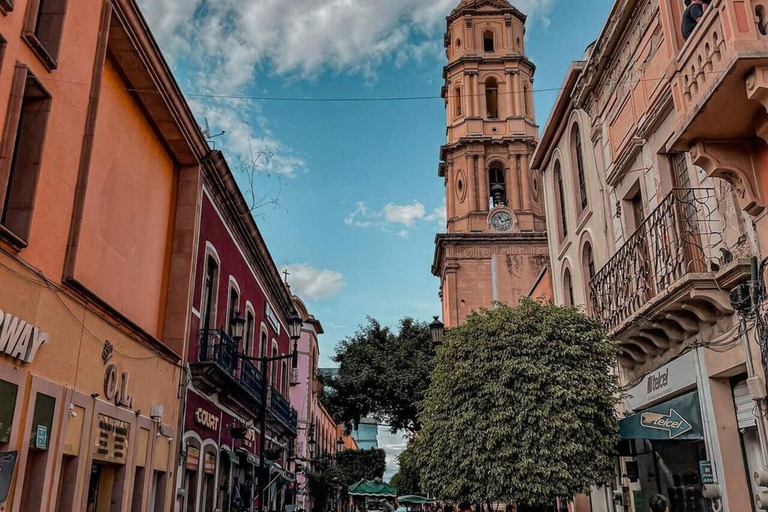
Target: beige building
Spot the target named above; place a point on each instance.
(666, 193)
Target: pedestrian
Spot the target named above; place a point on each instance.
(659, 504)
(694, 10)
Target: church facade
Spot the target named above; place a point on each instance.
(495, 249)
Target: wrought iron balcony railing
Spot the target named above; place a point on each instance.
(217, 348)
(678, 238)
(282, 410)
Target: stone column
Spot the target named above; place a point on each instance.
(482, 176)
(510, 93)
(450, 188)
(513, 184)
(524, 185)
(475, 94)
(472, 192)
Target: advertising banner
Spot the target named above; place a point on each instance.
(677, 419)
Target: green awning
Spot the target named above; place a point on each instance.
(678, 419)
(414, 500)
(372, 489)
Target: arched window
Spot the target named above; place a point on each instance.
(525, 101)
(588, 264)
(273, 370)
(488, 42)
(263, 343)
(250, 330)
(577, 156)
(284, 379)
(457, 102)
(210, 292)
(492, 98)
(560, 193)
(568, 288)
(497, 185)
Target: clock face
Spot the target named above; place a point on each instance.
(501, 221)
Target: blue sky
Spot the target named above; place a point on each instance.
(359, 197)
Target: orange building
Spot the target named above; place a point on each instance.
(99, 206)
(496, 244)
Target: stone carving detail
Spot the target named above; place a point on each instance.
(699, 70)
(484, 252)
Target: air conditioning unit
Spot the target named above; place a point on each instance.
(294, 377)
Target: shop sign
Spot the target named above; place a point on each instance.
(41, 437)
(193, 458)
(671, 378)
(250, 438)
(7, 466)
(207, 419)
(19, 339)
(707, 474)
(112, 440)
(209, 464)
(272, 317)
(678, 419)
(116, 387)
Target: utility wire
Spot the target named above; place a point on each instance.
(374, 99)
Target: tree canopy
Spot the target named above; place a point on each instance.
(355, 465)
(407, 479)
(521, 408)
(382, 374)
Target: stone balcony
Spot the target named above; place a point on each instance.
(669, 283)
(720, 91)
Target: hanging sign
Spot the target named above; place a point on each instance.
(193, 458)
(19, 339)
(678, 419)
(7, 466)
(250, 438)
(209, 464)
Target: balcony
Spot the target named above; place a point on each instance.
(669, 282)
(723, 68)
(218, 369)
(282, 412)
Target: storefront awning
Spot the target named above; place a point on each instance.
(251, 458)
(678, 419)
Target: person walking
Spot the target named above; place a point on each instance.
(659, 504)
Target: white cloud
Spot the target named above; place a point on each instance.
(393, 445)
(392, 217)
(311, 283)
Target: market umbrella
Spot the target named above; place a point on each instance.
(414, 500)
(372, 489)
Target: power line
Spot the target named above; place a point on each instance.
(373, 99)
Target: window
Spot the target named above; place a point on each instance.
(22, 152)
(210, 285)
(560, 198)
(273, 366)
(37, 457)
(457, 100)
(284, 378)
(488, 42)
(6, 6)
(233, 308)
(577, 157)
(8, 394)
(250, 334)
(263, 344)
(492, 98)
(636, 207)
(44, 28)
(497, 185)
(526, 102)
(568, 288)
(588, 263)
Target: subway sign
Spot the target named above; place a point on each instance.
(19, 339)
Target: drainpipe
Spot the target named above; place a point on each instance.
(761, 432)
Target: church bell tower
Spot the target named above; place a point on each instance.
(496, 244)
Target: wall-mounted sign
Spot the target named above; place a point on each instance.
(116, 387)
(671, 378)
(272, 317)
(41, 437)
(19, 339)
(679, 418)
(209, 464)
(193, 458)
(112, 440)
(707, 474)
(207, 419)
(7, 466)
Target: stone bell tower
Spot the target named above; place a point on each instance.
(496, 245)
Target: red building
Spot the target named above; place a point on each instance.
(236, 281)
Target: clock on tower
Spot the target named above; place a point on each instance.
(496, 244)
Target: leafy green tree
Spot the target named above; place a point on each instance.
(382, 374)
(521, 408)
(323, 485)
(356, 465)
(407, 480)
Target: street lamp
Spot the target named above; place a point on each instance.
(436, 330)
(236, 327)
(340, 445)
(294, 331)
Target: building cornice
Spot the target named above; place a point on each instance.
(473, 8)
(445, 240)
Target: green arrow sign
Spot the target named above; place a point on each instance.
(672, 423)
(679, 418)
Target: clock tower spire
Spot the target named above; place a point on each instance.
(496, 245)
